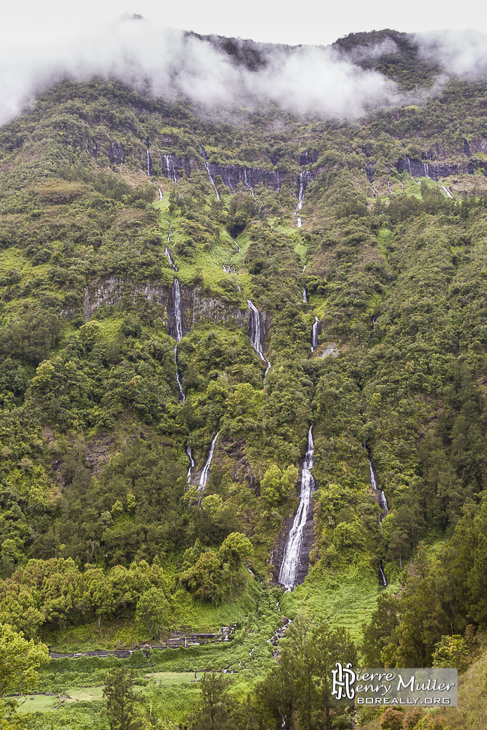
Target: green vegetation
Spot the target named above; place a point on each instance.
(103, 540)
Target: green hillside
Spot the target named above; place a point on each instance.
(131, 223)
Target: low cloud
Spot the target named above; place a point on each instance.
(304, 79)
(458, 53)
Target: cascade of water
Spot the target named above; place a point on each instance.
(239, 248)
(178, 316)
(305, 295)
(291, 561)
(148, 169)
(304, 268)
(206, 469)
(169, 257)
(178, 319)
(382, 577)
(189, 452)
(447, 192)
(168, 168)
(314, 334)
(381, 497)
(255, 335)
(210, 178)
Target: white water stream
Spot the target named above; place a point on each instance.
(291, 560)
(206, 469)
(256, 335)
(178, 319)
(314, 334)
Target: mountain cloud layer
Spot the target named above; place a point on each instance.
(303, 79)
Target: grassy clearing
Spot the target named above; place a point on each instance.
(347, 599)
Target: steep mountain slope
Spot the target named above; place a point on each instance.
(179, 284)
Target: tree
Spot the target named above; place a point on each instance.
(152, 610)
(217, 707)
(19, 661)
(204, 578)
(298, 692)
(235, 549)
(121, 700)
(277, 485)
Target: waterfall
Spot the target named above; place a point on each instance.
(210, 178)
(246, 182)
(381, 497)
(291, 560)
(178, 316)
(255, 335)
(239, 249)
(148, 169)
(305, 295)
(382, 501)
(178, 319)
(314, 334)
(169, 257)
(206, 469)
(168, 168)
(447, 192)
(189, 452)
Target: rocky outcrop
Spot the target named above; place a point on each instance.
(435, 170)
(308, 157)
(250, 177)
(369, 171)
(197, 306)
(174, 167)
(116, 153)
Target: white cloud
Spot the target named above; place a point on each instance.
(459, 52)
(305, 79)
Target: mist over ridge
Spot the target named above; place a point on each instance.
(327, 81)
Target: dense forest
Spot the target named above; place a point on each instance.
(203, 314)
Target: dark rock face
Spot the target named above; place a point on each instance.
(116, 154)
(250, 177)
(196, 306)
(369, 171)
(308, 157)
(174, 168)
(420, 168)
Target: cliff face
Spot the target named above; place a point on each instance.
(197, 307)
(437, 170)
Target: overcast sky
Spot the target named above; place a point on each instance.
(41, 23)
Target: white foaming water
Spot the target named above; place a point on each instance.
(210, 178)
(305, 295)
(206, 469)
(314, 334)
(255, 335)
(292, 554)
(447, 192)
(168, 168)
(176, 294)
(169, 257)
(178, 317)
(191, 462)
(381, 497)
